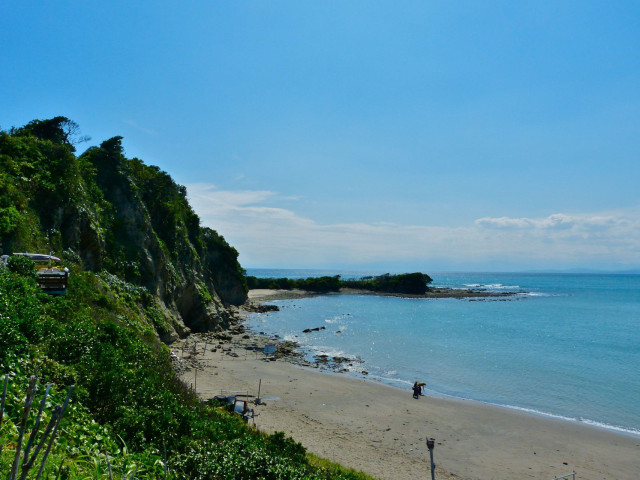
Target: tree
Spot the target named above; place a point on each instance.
(59, 130)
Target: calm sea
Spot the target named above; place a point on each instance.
(566, 346)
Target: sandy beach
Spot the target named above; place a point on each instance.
(382, 430)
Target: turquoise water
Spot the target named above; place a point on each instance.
(566, 345)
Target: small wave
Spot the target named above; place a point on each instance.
(607, 426)
(330, 352)
(542, 294)
(337, 318)
(491, 286)
(593, 423)
(535, 412)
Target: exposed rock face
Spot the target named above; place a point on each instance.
(121, 216)
(190, 268)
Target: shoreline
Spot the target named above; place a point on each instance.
(265, 295)
(380, 429)
(293, 353)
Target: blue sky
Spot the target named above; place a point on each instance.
(392, 135)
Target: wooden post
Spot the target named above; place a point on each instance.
(258, 401)
(430, 445)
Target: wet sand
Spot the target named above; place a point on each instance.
(382, 430)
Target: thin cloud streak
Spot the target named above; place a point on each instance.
(133, 124)
(269, 236)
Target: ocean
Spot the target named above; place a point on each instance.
(566, 346)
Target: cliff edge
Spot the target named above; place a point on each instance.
(104, 212)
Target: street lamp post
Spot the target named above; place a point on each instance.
(430, 444)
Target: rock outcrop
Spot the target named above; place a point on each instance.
(115, 214)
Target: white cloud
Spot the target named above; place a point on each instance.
(267, 235)
(558, 221)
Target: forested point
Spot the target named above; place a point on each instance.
(407, 283)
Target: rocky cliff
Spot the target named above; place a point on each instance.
(105, 212)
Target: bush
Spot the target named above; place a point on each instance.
(23, 266)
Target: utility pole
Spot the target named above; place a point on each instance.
(430, 444)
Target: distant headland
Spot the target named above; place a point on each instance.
(410, 285)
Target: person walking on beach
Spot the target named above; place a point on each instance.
(417, 390)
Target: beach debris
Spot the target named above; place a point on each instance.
(234, 405)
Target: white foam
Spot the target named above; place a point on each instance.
(593, 423)
(330, 352)
(628, 430)
(491, 286)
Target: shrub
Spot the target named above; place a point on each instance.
(22, 265)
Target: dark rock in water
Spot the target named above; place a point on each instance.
(340, 359)
(309, 330)
(324, 359)
(259, 308)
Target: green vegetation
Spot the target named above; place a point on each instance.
(313, 284)
(111, 213)
(141, 265)
(127, 404)
(408, 283)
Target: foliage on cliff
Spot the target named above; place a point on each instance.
(141, 265)
(114, 214)
(127, 404)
